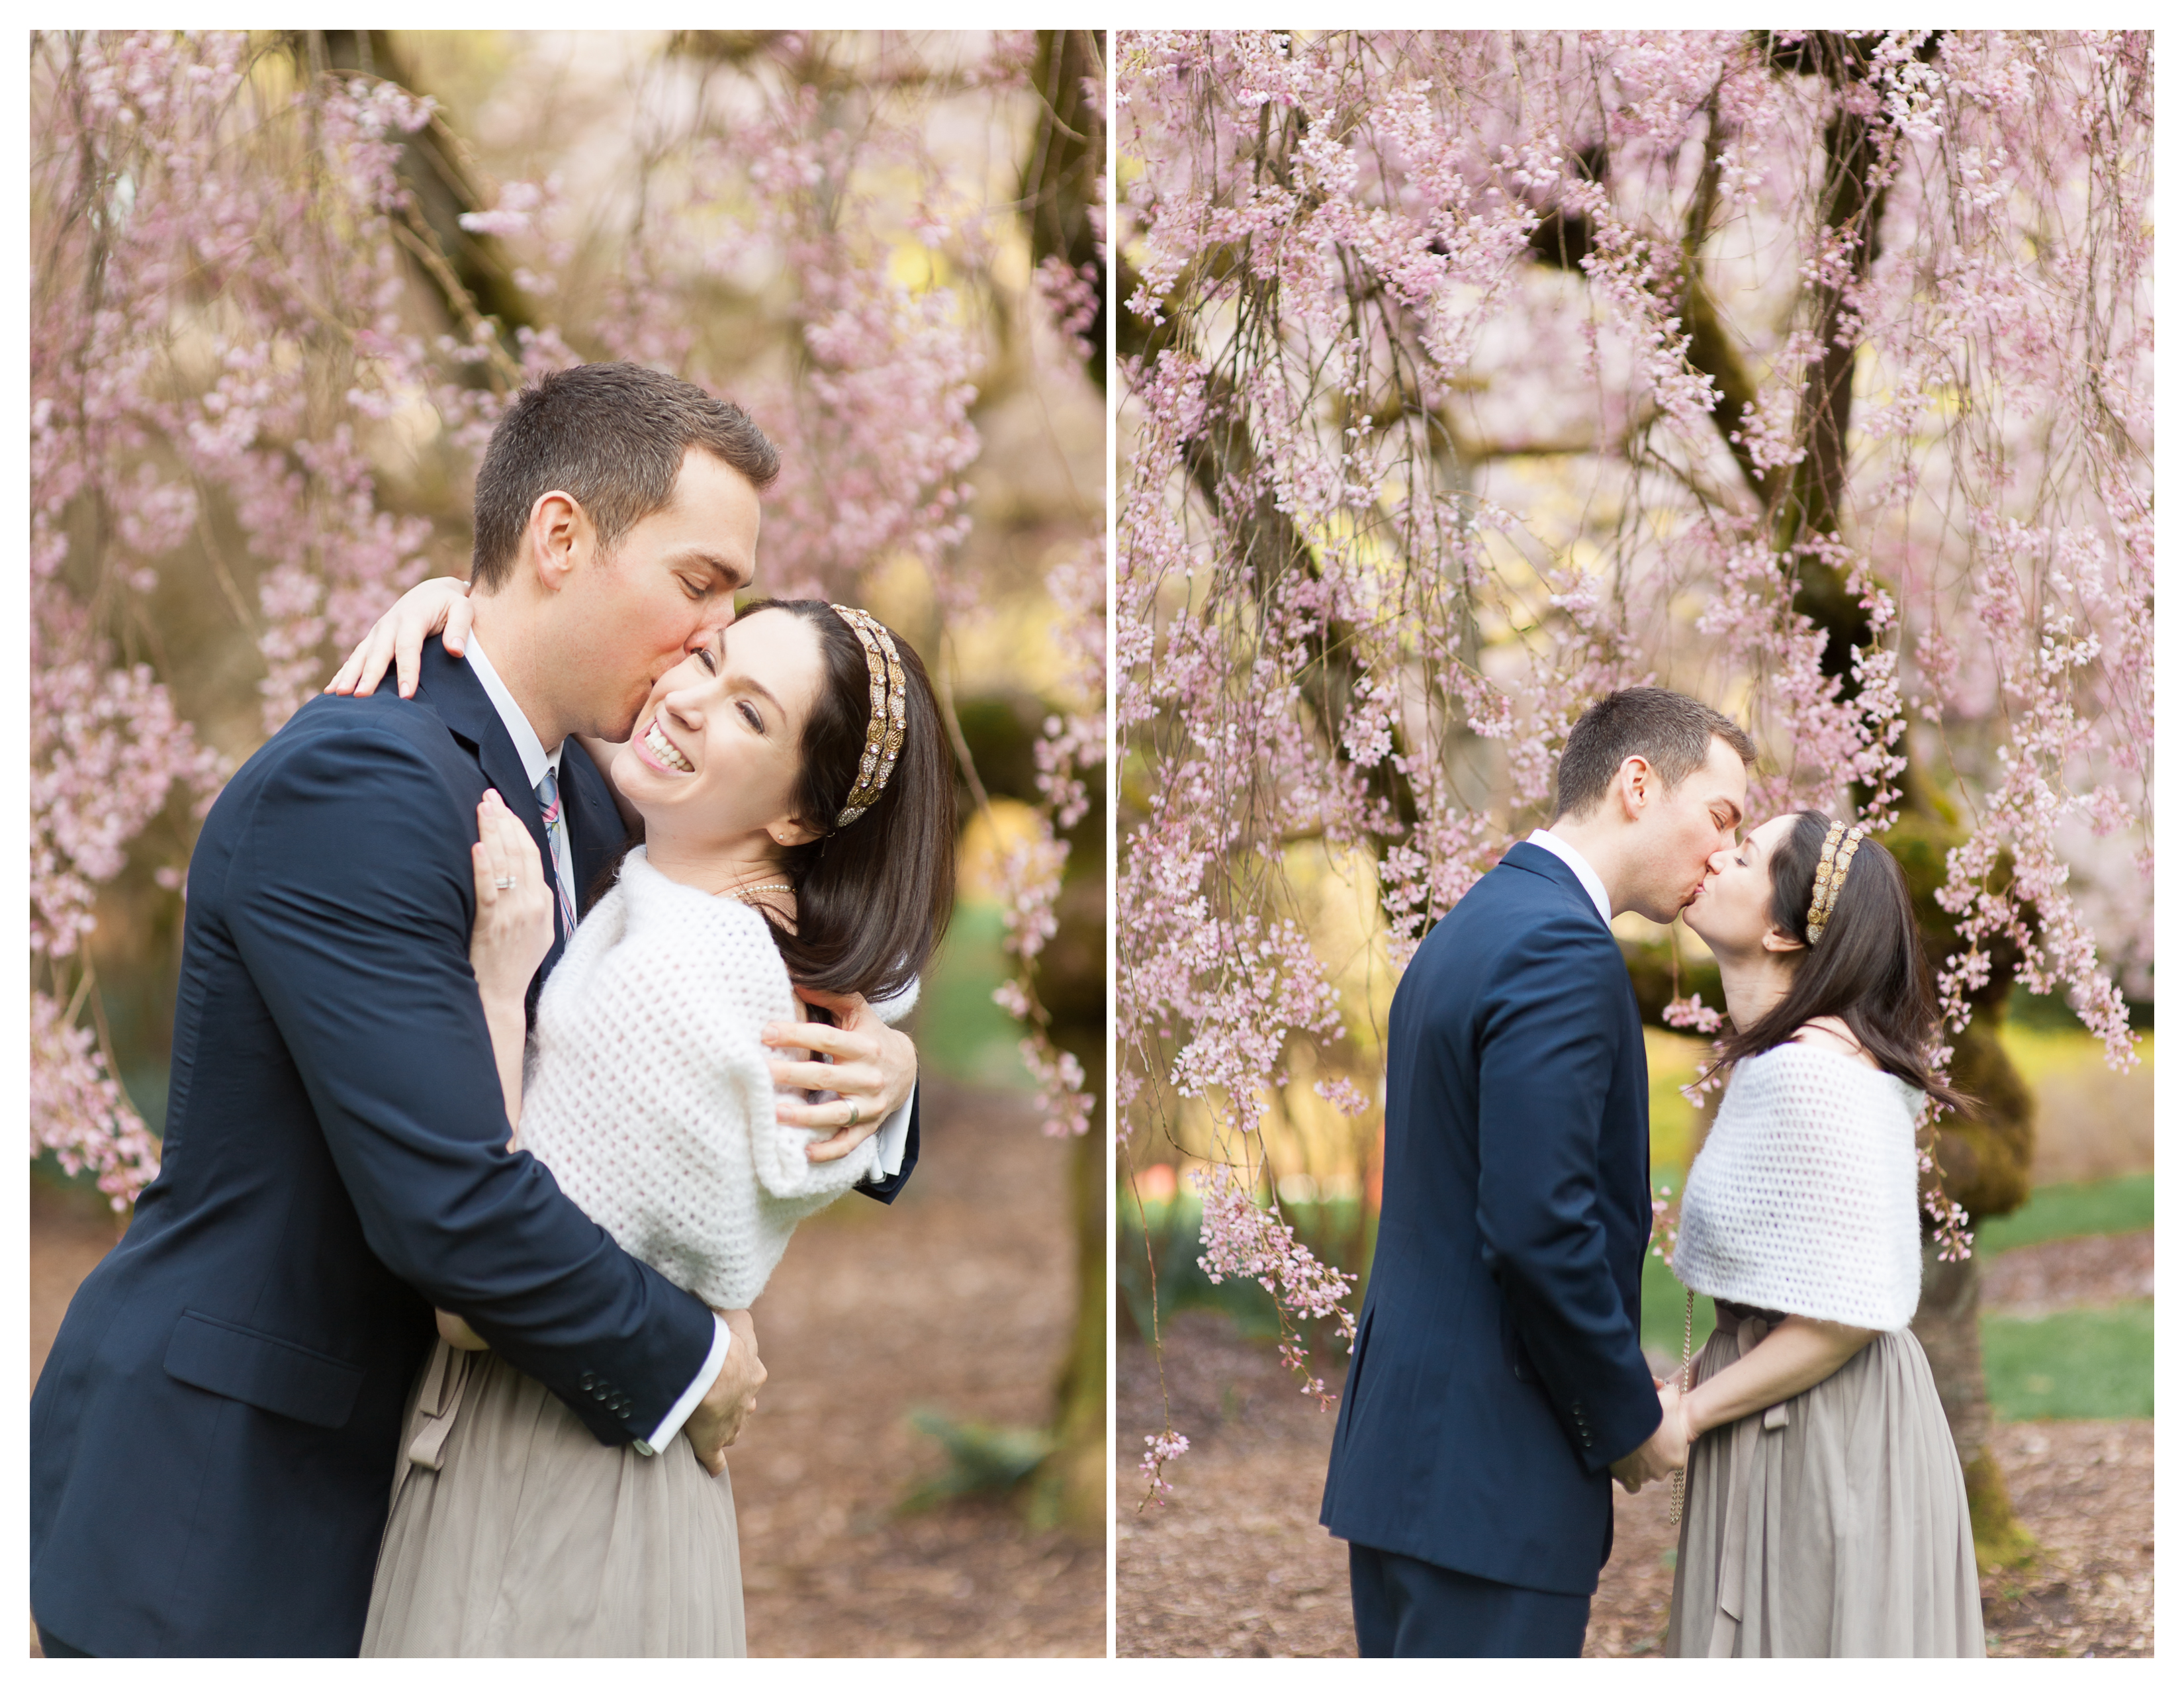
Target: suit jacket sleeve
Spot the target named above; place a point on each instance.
(1546, 1053)
(351, 902)
(886, 1190)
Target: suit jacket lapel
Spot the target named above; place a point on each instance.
(1529, 858)
(459, 700)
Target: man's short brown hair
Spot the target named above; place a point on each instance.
(1672, 733)
(612, 437)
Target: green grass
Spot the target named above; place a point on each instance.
(1672, 1061)
(1661, 1313)
(2073, 1210)
(961, 1032)
(2091, 1363)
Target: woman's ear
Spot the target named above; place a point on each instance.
(789, 833)
(1777, 942)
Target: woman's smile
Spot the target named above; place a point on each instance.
(656, 747)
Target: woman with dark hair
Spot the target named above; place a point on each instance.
(1824, 1513)
(797, 809)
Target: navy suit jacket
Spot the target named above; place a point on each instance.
(213, 1437)
(1497, 1372)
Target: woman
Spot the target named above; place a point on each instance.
(1825, 1510)
(797, 814)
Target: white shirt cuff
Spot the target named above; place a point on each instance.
(679, 1414)
(894, 1141)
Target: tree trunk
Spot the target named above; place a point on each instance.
(469, 274)
(1069, 1487)
(1061, 172)
(1985, 1160)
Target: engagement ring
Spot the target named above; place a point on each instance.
(503, 884)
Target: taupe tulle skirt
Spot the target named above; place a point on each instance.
(514, 1533)
(1831, 1526)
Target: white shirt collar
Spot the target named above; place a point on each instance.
(535, 760)
(1595, 886)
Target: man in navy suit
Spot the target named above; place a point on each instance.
(213, 1438)
(1497, 1380)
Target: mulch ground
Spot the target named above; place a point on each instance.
(2070, 1271)
(1235, 1564)
(957, 1298)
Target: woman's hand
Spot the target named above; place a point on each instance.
(455, 1331)
(515, 925)
(1798, 1353)
(1675, 1412)
(399, 637)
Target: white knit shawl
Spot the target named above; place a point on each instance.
(1805, 1197)
(646, 1088)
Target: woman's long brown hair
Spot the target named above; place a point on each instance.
(873, 898)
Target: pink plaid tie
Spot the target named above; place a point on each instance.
(549, 792)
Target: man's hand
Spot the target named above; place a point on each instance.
(718, 1420)
(874, 1068)
(1661, 1453)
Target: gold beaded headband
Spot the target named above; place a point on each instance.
(883, 734)
(1827, 880)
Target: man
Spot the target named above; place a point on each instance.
(215, 1433)
(1497, 1380)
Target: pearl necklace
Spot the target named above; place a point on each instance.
(750, 891)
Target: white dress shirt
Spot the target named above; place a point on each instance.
(1595, 886)
(893, 1135)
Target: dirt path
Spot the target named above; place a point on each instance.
(957, 1298)
(1236, 1566)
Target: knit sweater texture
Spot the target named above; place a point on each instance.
(646, 1090)
(1805, 1197)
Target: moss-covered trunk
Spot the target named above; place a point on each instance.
(1985, 1158)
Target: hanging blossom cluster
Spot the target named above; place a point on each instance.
(248, 347)
(215, 324)
(1469, 377)
(873, 404)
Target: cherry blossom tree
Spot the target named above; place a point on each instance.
(278, 304)
(1469, 377)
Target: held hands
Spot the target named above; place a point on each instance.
(515, 925)
(719, 1419)
(1663, 1452)
(455, 1331)
(439, 606)
(873, 1070)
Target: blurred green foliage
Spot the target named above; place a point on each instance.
(983, 1459)
(961, 1032)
